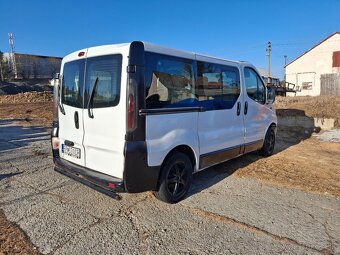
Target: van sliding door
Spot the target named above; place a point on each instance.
(220, 126)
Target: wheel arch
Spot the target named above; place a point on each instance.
(272, 124)
(183, 148)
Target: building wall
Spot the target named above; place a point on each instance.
(34, 66)
(305, 72)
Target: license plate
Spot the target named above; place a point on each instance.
(71, 151)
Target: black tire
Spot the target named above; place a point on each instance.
(175, 179)
(269, 142)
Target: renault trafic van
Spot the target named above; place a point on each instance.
(136, 117)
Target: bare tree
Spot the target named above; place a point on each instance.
(35, 66)
(54, 65)
(24, 65)
(1, 63)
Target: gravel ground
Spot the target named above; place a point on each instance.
(224, 214)
(330, 136)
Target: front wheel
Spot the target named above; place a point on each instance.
(269, 143)
(176, 178)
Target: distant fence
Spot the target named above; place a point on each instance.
(330, 84)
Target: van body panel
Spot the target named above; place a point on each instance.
(138, 175)
(69, 131)
(220, 129)
(104, 136)
(165, 132)
(257, 120)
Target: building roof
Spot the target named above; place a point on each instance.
(313, 47)
(6, 54)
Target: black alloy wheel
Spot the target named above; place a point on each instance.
(269, 143)
(176, 178)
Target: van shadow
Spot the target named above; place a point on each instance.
(4, 176)
(293, 127)
(13, 135)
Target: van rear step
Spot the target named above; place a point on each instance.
(103, 183)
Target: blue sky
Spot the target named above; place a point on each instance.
(237, 30)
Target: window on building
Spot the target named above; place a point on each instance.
(336, 59)
(254, 85)
(308, 85)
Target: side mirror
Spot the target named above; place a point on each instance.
(270, 95)
(56, 76)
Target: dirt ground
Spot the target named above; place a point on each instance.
(309, 164)
(13, 240)
(301, 161)
(321, 107)
(30, 108)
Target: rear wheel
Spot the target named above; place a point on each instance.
(269, 143)
(176, 178)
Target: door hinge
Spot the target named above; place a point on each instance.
(131, 69)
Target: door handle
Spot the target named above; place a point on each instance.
(69, 143)
(245, 108)
(238, 108)
(76, 119)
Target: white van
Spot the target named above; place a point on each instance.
(136, 117)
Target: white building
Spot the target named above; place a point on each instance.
(307, 70)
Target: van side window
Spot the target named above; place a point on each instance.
(254, 85)
(107, 71)
(217, 86)
(169, 81)
(72, 83)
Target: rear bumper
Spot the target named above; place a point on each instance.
(137, 176)
(103, 183)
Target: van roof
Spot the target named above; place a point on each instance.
(172, 52)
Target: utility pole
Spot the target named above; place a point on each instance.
(285, 56)
(1, 74)
(12, 55)
(269, 49)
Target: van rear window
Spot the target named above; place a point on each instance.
(72, 83)
(106, 71)
(103, 70)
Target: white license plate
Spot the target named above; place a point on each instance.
(71, 151)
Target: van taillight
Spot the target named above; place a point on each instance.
(131, 113)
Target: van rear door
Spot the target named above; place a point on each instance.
(71, 129)
(104, 111)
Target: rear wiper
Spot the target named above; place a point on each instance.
(61, 107)
(89, 103)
